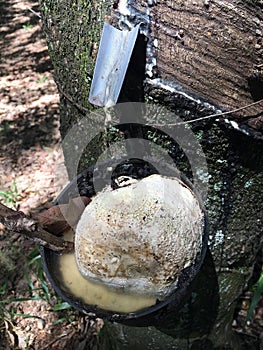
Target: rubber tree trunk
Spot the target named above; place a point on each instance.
(196, 57)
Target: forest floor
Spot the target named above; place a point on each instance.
(32, 173)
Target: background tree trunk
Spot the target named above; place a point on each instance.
(200, 56)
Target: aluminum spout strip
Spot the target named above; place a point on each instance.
(113, 58)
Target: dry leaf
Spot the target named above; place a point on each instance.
(60, 218)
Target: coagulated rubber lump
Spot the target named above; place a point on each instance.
(140, 237)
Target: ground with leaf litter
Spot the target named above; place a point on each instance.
(32, 173)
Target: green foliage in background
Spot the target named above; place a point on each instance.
(10, 196)
(33, 271)
(258, 292)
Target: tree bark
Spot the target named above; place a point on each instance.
(213, 49)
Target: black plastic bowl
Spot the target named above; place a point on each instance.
(84, 185)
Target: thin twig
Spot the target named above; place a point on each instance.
(77, 105)
(211, 115)
(19, 222)
(63, 335)
(34, 12)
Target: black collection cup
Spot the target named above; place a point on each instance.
(83, 185)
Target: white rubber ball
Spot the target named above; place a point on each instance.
(139, 238)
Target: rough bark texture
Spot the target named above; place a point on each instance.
(73, 30)
(212, 48)
(208, 56)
